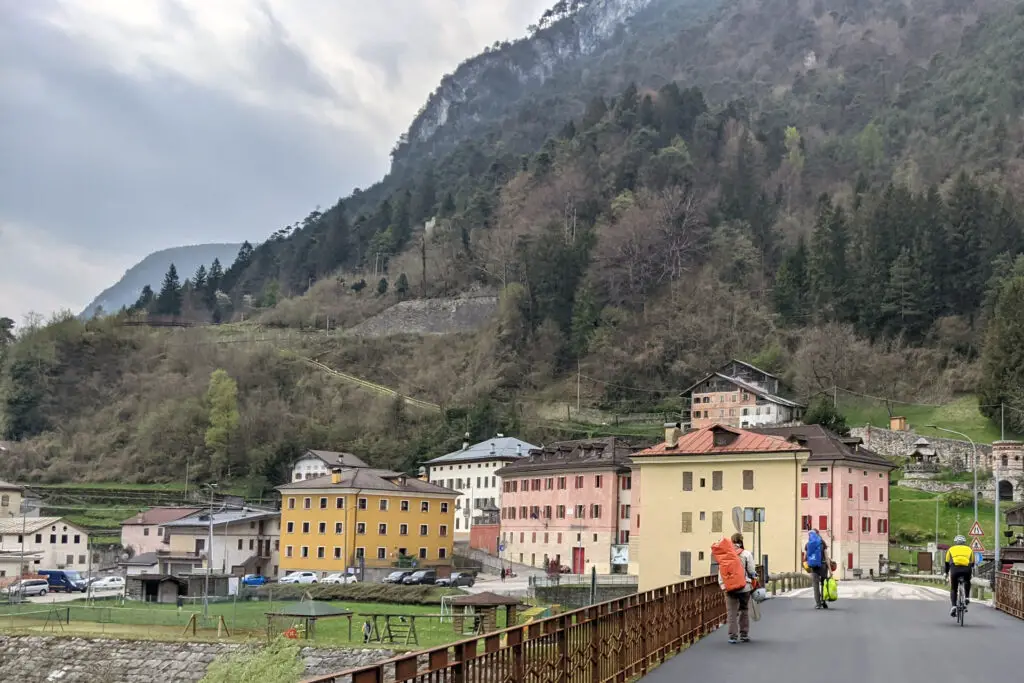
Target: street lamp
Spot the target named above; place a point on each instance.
(209, 556)
(974, 463)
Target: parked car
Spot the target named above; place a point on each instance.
(396, 577)
(457, 579)
(108, 583)
(253, 580)
(66, 580)
(340, 578)
(300, 577)
(28, 587)
(426, 577)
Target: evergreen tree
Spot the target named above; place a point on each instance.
(902, 305)
(199, 279)
(827, 263)
(932, 251)
(144, 301)
(382, 287)
(823, 412)
(213, 280)
(594, 114)
(168, 301)
(792, 286)
(6, 332)
(1002, 362)
(966, 225)
(402, 285)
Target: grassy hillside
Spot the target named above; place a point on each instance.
(913, 516)
(961, 415)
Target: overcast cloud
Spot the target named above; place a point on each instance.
(128, 126)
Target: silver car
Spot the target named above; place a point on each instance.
(28, 587)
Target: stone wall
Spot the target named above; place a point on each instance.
(935, 486)
(430, 316)
(901, 444)
(576, 596)
(42, 659)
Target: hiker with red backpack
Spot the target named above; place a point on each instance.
(736, 574)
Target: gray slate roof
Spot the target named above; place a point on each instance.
(827, 446)
(221, 517)
(369, 479)
(498, 448)
(338, 459)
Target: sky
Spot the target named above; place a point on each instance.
(128, 126)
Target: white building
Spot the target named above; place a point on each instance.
(320, 463)
(245, 541)
(471, 472)
(52, 541)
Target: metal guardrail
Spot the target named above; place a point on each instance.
(1009, 596)
(583, 580)
(612, 641)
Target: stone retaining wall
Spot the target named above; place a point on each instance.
(43, 659)
(901, 444)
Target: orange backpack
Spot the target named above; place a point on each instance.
(730, 566)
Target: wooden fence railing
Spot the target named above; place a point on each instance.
(611, 641)
(1010, 594)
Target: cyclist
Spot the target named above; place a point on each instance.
(959, 565)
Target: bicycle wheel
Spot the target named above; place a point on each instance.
(960, 606)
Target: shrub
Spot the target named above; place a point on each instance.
(360, 592)
(279, 662)
(910, 536)
(958, 499)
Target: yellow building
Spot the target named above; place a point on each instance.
(330, 523)
(686, 488)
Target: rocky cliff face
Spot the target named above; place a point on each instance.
(490, 81)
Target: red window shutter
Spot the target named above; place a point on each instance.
(881, 495)
(803, 490)
(829, 491)
(865, 493)
(823, 522)
(849, 560)
(849, 523)
(850, 495)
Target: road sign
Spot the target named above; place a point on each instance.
(976, 530)
(501, 548)
(976, 545)
(977, 558)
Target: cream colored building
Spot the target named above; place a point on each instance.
(10, 500)
(686, 488)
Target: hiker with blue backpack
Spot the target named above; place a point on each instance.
(816, 559)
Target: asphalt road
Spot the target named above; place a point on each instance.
(907, 635)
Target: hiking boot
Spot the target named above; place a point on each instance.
(952, 612)
(824, 605)
(733, 640)
(744, 639)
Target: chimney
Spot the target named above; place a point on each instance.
(672, 434)
(335, 475)
(492, 448)
(465, 441)
(519, 449)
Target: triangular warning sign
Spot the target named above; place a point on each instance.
(976, 545)
(976, 530)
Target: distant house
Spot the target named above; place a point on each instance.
(144, 532)
(245, 541)
(739, 395)
(472, 471)
(10, 499)
(55, 542)
(320, 463)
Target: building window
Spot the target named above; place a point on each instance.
(684, 563)
(423, 553)
(64, 539)
(360, 553)
(443, 530)
(805, 522)
(598, 480)
(748, 480)
(287, 551)
(881, 495)
(823, 490)
(291, 527)
(291, 503)
(339, 503)
(337, 553)
(624, 512)
(442, 553)
(323, 503)
(403, 529)
(425, 506)
(687, 525)
(305, 527)
(626, 483)
(716, 480)
(581, 511)
(865, 525)
(361, 528)
(339, 528)
(323, 528)
(321, 552)
(382, 553)
(145, 531)
(687, 481)
(307, 503)
(559, 537)
(623, 537)
(39, 538)
(536, 484)
(404, 506)
(703, 483)
(423, 529)
(383, 504)
(561, 483)
(560, 512)
(849, 493)
(803, 490)
(823, 522)
(549, 484)
(524, 512)
(444, 507)
(883, 526)
(382, 529)
(533, 538)
(865, 493)
(239, 544)
(579, 482)
(716, 522)
(304, 551)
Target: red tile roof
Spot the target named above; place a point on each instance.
(702, 442)
(160, 515)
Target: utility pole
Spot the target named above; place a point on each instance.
(209, 557)
(577, 388)
(974, 463)
(995, 569)
(1002, 422)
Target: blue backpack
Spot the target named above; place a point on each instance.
(814, 551)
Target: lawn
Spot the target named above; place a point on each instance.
(961, 414)
(912, 511)
(245, 620)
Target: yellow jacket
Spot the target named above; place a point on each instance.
(959, 556)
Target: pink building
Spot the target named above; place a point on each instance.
(569, 502)
(844, 494)
(144, 532)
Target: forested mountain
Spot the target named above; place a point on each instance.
(828, 189)
(151, 270)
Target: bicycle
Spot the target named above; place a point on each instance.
(961, 601)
